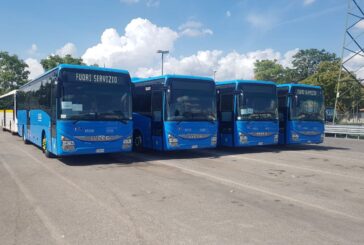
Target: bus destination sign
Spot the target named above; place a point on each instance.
(310, 92)
(95, 78)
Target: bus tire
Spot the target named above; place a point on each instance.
(25, 138)
(47, 153)
(137, 141)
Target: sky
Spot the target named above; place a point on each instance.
(202, 36)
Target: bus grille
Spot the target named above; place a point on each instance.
(194, 136)
(309, 133)
(261, 134)
(99, 138)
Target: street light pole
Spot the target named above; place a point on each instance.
(215, 74)
(162, 52)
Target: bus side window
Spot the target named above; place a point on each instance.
(226, 107)
(157, 106)
(142, 101)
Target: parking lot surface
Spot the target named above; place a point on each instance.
(308, 194)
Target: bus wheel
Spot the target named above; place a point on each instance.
(137, 142)
(44, 147)
(25, 138)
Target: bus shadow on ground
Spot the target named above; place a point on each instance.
(102, 159)
(138, 158)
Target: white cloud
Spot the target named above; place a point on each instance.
(34, 67)
(33, 49)
(228, 13)
(360, 25)
(308, 2)
(68, 48)
(136, 48)
(261, 21)
(129, 1)
(232, 65)
(355, 65)
(193, 28)
(153, 3)
(288, 58)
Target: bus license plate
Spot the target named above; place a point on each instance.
(194, 146)
(260, 143)
(100, 150)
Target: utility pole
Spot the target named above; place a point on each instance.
(162, 52)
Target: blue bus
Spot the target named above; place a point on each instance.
(73, 110)
(174, 112)
(247, 113)
(301, 114)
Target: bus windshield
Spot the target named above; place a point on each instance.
(95, 97)
(191, 100)
(257, 102)
(307, 104)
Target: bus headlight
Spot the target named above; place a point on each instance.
(295, 136)
(173, 141)
(243, 138)
(67, 144)
(213, 140)
(275, 138)
(127, 142)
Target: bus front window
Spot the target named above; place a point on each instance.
(257, 102)
(307, 105)
(191, 100)
(90, 101)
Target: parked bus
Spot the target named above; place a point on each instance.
(173, 112)
(301, 114)
(72, 110)
(8, 119)
(247, 113)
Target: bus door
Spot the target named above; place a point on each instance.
(226, 116)
(283, 114)
(157, 119)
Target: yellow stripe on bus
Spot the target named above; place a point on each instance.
(9, 111)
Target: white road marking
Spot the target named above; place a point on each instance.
(239, 185)
(288, 166)
(86, 193)
(57, 236)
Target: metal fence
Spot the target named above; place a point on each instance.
(350, 118)
(345, 130)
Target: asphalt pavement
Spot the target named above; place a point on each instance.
(307, 194)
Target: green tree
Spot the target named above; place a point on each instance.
(326, 76)
(269, 70)
(13, 72)
(55, 60)
(306, 62)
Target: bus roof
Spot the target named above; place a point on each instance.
(298, 85)
(138, 80)
(83, 67)
(244, 81)
(8, 93)
(94, 68)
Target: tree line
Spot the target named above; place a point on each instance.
(316, 67)
(309, 66)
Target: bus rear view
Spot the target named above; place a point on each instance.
(74, 110)
(174, 112)
(248, 113)
(301, 114)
